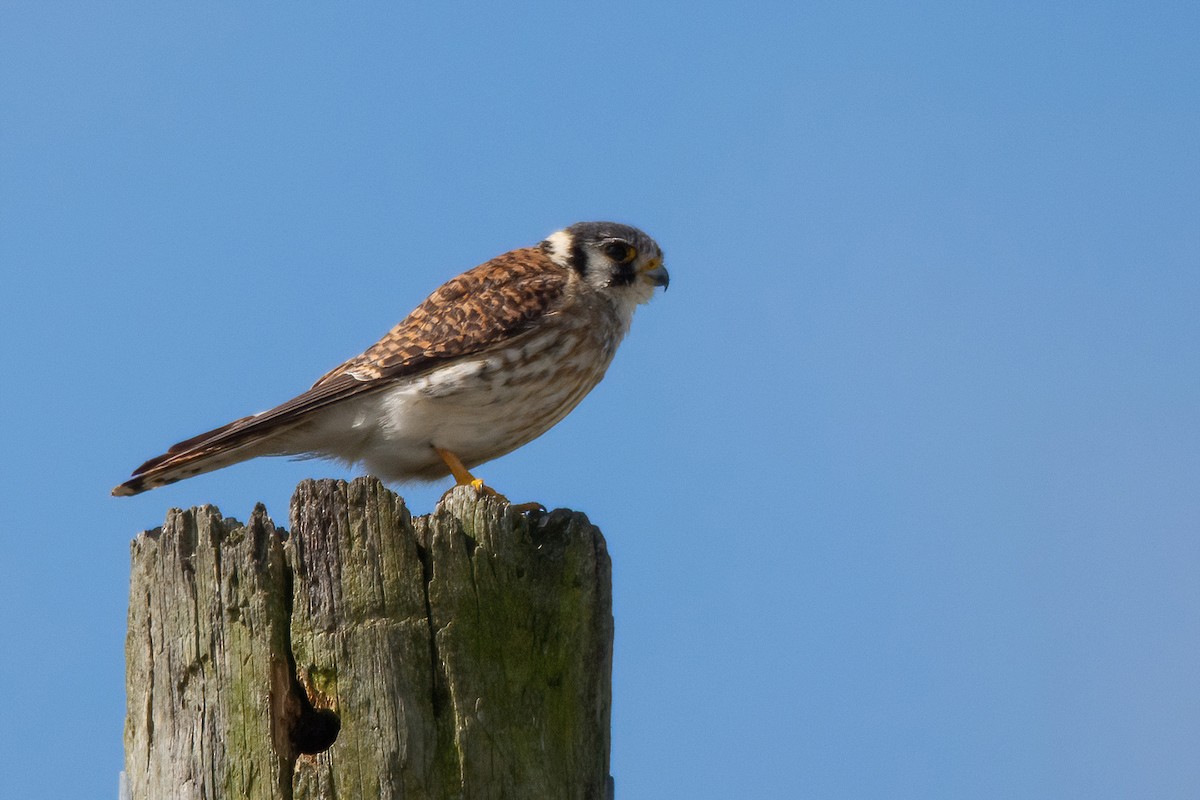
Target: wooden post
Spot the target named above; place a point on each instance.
(369, 654)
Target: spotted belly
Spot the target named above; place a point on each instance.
(478, 408)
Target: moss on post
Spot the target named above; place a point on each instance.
(370, 654)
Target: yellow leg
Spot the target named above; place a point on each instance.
(463, 477)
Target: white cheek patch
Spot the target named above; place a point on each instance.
(560, 248)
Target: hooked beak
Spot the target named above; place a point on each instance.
(656, 273)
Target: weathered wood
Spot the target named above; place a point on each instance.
(465, 654)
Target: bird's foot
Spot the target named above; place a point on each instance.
(463, 477)
(483, 490)
(520, 508)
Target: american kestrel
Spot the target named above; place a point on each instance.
(489, 362)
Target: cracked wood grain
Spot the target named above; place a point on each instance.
(367, 653)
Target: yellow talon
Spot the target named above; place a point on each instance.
(463, 477)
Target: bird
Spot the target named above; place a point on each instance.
(490, 361)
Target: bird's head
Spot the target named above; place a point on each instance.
(615, 259)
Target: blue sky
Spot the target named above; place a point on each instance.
(900, 479)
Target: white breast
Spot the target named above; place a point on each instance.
(478, 408)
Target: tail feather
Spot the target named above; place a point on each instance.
(215, 449)
(257, 435)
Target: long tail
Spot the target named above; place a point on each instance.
(230, 444)
(265, 434)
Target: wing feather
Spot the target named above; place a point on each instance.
(469, 314)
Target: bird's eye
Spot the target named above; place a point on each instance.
(620, 252)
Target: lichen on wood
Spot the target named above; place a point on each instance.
(367, 653)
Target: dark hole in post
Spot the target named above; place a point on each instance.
(315, 730)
